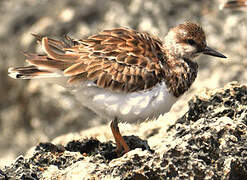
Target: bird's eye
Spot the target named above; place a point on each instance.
(191, 42)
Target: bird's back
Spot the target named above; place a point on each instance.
(119, 60)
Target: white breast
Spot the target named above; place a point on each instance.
(130, 107)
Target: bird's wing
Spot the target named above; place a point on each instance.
(119, 59)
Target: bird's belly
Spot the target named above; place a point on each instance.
(130, 107)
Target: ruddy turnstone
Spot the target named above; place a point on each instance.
(122, 74)
(234, 4)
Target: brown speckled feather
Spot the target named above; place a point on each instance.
(234, 4)
(120, 59)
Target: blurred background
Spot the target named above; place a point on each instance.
(31, 111)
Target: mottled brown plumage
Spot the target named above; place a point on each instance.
(235, 4)
(122, 59)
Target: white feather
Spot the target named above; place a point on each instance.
(130, 107)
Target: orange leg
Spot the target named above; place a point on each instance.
(120, 142)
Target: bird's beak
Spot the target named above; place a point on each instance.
(211, 52)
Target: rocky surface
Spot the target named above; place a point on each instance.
(30, 113)
(207, 142)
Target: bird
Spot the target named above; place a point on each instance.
(234, 4)
(121, 74)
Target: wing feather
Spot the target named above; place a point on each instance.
(119, 59)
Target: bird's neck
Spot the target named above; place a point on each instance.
(179, 74)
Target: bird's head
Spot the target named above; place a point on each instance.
(187, 41)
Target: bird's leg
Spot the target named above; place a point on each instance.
(120, 142)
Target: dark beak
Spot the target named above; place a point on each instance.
(211, 52)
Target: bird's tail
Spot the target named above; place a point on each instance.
(31, 72)
(234, 4)
(56, 60)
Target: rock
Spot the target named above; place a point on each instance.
(207, 142)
